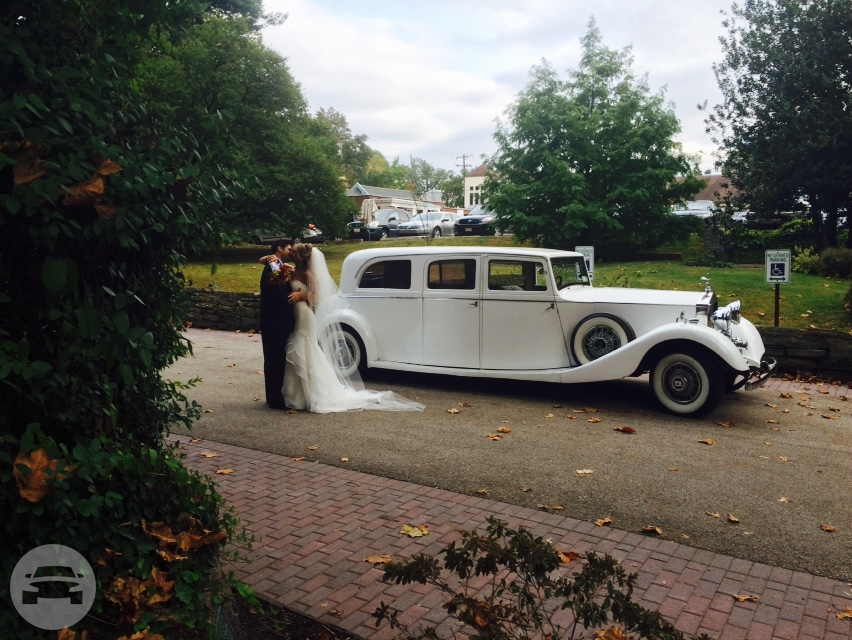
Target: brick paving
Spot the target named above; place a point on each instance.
(317, 523)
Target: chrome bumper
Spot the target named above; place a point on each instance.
(759, 375)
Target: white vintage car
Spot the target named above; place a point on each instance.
(533, 314)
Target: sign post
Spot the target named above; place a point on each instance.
(589, 257)
(778, 273)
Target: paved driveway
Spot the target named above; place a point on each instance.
(765, 448)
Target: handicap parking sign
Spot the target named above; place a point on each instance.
(778, 266)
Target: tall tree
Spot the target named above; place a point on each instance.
(785, 123)
(248, 112)
(589, 160)
(352, 150)
(424, 177)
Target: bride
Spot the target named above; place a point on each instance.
(311, 381)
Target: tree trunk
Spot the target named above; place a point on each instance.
(830, 226)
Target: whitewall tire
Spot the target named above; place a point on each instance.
(598, 335)
(688, 384)
(349, 354)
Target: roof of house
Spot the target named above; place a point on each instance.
(480, 171)
(359, 189)
(716, 183)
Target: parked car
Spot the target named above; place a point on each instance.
(431, 223)
(702, 209)
(478, 222)
(533, 314)
(309, 234)
(383, 226)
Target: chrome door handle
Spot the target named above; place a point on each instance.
(475, 303)
(552, 306)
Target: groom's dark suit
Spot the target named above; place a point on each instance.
(276, 325)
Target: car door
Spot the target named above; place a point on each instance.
(520, 323)
(451, 312)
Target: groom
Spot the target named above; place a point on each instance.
(276, 322)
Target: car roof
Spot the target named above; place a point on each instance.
(409, 252)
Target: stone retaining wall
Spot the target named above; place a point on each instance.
(827, 353)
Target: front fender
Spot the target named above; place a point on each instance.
(626, 360)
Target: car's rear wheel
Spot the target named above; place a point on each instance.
(689, 383)
(598, 335)
(349, 354)
(436, 232)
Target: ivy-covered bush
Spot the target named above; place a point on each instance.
(149, 527)
(99, 204)
(805, 260)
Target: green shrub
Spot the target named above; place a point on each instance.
(805, 260)
(521, 593)
(119, 509)
(836, 262)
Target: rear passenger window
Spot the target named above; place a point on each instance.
(389, 274)
(452, 274)
(516, 275)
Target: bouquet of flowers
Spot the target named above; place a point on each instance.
(281, 273)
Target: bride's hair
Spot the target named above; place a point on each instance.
(302, 252)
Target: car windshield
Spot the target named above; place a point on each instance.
(570, 271)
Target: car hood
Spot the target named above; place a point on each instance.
(622, 295)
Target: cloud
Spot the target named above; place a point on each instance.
(428, 79)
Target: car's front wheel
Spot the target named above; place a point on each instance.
(689, 384)
(436, 232)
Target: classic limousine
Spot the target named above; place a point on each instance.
(533, 314)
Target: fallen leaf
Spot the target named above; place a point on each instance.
(568, 556)
(453, 410)
(653, 529)
(558, 507)
(495, 436)
(673, 469)
(834, 409)
(828, 417)
(784, 500)
(784, 458)
(414, 530)
(208, 454)
(590, 410)
(708, 441)
(732, 518)
(335, 612)
(484, 492)
(504, 430)
(744, 597)
(224, 472)
(313, 447)
(628, 430)
(195, 441)
(465, 404)
(571, 417)
(207, 411)
(725, 423)
(713, 514)
(585, 472)
(788, 396)
(845, 615)
(299, 459)
(613, 633)
(771, 405)
(594, 420)
(771, 421)
(378, 559)
(231, 366)
(785, 411)
(526, 489)
(344, 459)
(827, 527)
(603, 522)
(548, 415)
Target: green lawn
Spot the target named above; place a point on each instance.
(807, 301)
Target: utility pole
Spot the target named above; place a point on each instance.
(464, 158)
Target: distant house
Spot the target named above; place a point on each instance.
(715, 184)
(384, 198)
(473, 186)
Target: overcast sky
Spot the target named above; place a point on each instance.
(429, 78)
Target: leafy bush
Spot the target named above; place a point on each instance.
(836, 262)
(805, 260)
(522, 596)
(150, 528)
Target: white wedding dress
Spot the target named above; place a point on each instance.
(311, 382)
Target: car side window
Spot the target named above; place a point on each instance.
(388, 274)
(516, 275)
(452, 274)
